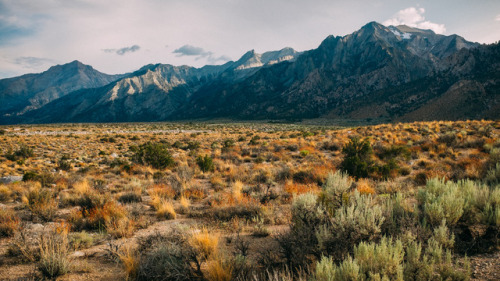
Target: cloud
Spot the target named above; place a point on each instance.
(414, 17)
(199, 53)
(188, 50)
(32, 62)
(497, 18)
(124, 50)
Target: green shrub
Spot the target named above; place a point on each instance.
(493, 176)
(255, 140)
(154, 154)
(443, 236)
(335, 191)
(22, 153)
(357, 162)
(63, 163)
(299, 246)
(304, 153)
(205, 163)
(442, 201)
(325, 270)
(228, 143)
(477, 197)
(391, 260)
(81, 240)
(381, 261)
(467, 201)
(30, 176)
(360, 220)
(306, 212)
(399, 216)
(45, 178)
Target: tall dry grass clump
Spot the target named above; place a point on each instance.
(54, 254)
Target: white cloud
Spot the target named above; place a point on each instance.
(497, 18)
(199, 53)
(124, 50)
(414, 17)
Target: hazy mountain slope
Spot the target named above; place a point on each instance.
(31, 91)
(155, 92)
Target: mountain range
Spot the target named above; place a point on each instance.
(394, 73)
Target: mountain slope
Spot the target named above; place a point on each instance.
(153, 93)
(387, 73)
(340, 70)
(31, 91)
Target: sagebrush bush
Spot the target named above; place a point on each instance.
(168, 261)
(391, 259)
(467, 201)
(306, 212)
(300, 245)
(399, 215)
(360, 220)
(325, 270)
(443, 236)
(442, 201)
(381, 261)
(80, 240)
(477, 197)
(493, 175)
(167, 257)
(335, 190)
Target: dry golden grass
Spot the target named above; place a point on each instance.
(219, 270)
(236, 189)
(165, 209)
(365, 187)
(5, 193)
(129, 258)
(82, 187)
(205, 243)
(9, 223)
(251, 179)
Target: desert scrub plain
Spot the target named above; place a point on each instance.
(171, 201)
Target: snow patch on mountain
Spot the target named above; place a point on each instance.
(404, 35)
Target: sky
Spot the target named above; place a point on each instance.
(119, 36)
